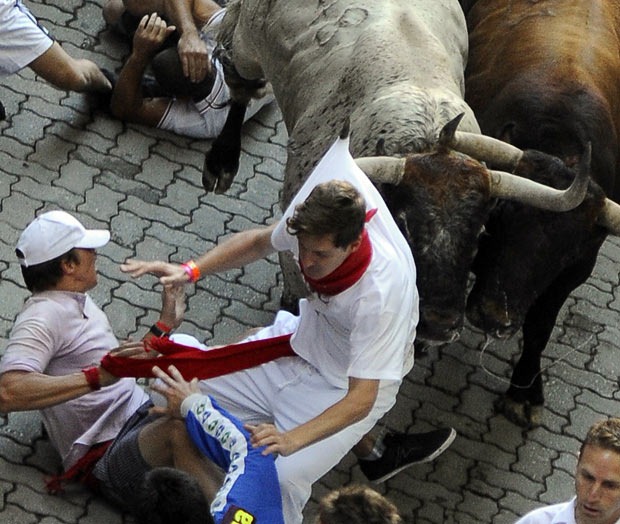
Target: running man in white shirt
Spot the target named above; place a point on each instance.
(597, 482)
(353, 339)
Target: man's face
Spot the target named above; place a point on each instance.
(597, 483)
(319, 256)
(85, 275)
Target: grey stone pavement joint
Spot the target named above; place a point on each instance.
(144, 184)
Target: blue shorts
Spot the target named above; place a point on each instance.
(251, 491)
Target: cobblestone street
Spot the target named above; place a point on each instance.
(145, 186)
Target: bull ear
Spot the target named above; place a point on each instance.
(346, 129)
(446, 136)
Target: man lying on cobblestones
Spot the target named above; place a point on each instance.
(100, 425)
(187, 16)
(597, 482)
(250, 490)
(172, 102)
(351, 345)
(25, 43)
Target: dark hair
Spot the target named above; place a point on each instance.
(333, 208)
(168, 72)
(357, 504)
(46, 275)
(170, 496)
(604, 434)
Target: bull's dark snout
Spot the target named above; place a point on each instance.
(439, 326)
(491, 317)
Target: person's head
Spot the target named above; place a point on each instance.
(55, 251)
(357, 504)
(168, 72)
(171, 496)
(597, 477)
(328, 226)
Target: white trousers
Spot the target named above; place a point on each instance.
(288, 392)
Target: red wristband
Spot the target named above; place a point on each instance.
(92, 377)
(166, 329)
(192, 270)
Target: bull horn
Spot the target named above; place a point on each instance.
(487, 149)
(382, 169)
(513, 187)
(610, 217)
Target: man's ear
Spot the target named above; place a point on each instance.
(356, 243)
(68, 266)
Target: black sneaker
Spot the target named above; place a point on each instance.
(403, 450)
(2, 112)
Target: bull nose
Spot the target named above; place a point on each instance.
(439, 326)
(491, 318)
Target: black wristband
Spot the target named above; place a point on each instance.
(157, 332)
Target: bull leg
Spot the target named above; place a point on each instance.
(523, 403)
(222, 161)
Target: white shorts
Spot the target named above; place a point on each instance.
(22, 39)
(206, 118)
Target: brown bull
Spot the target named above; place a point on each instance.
(543, 75)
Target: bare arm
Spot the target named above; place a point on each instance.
(127, 102)
(236, 251)
(355, 406)
(192, 50)
(29, 390)
(26, 390)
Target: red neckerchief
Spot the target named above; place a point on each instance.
(195, 363)
(347, 273)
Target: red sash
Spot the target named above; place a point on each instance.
(193, 362)
(81, 471)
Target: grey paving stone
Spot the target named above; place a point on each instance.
(145, 184)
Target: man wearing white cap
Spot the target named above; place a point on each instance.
(99, 424)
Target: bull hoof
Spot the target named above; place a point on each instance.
(523, 414)
(216, 176)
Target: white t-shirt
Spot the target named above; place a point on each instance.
(563, 513)
(58, 333)
(367, 331)
(22, 39)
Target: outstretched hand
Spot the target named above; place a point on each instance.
(173, 305)
(169, 274)
(174, 388)
(129, 349)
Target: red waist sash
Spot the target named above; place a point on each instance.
(195, 363)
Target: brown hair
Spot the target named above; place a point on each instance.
(604, 434)
(46, 275)
(357, 504)
(333, 208)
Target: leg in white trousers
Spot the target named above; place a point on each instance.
(289, 392)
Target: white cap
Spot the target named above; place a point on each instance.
(53, 234)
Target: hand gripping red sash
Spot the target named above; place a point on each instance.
(193, 362)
